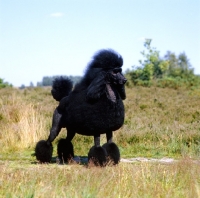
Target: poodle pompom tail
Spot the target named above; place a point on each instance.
(61, 87)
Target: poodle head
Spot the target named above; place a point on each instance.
(104, 75)
(103, 60)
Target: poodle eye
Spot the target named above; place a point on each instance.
(117, 70)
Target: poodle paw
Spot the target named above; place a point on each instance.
(97, 156)
(113, 154)
(65, 151)
(43, 151)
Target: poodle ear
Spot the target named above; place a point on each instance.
(96, 88)
(121, 91)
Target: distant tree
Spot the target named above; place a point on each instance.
(4, 84)
(22, 86)
(184, 64)
(31, 84)
(47, 81)
(171, 70)
(173, 63)
(39, 84)
(151, 67)
(178, 66)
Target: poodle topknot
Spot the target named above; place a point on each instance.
(106, 59)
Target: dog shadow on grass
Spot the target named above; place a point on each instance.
(81, 160)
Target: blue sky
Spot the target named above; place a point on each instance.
(58, 37)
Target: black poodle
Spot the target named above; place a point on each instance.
(94, 107)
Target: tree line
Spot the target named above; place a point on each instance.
(168, 71)
(48, 80)
(4, 84)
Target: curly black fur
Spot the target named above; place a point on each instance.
(97, 156)
(43, 151)
(61, 88)
(113, 154)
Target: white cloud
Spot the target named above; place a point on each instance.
(57, 14)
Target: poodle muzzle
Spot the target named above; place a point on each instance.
(115, 76)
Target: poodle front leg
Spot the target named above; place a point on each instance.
(44, 149)
(109, 136)
(56, 126)
(97, 140)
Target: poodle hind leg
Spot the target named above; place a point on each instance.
(113, 154)
(97, 154)
(65, 149)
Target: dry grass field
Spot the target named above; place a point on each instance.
(160, 122)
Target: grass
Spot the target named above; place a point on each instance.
(159, 122)
(21, 122)
(23, 179)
